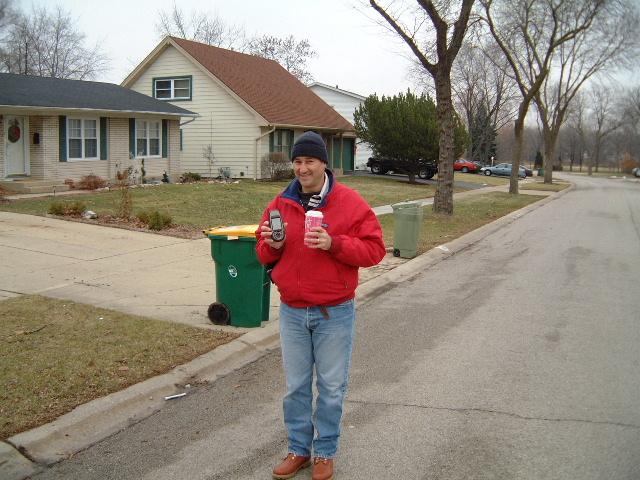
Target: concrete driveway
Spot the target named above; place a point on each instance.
(133, 272)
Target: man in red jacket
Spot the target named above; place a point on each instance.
(317, 274)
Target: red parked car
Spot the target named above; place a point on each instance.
(465, 166)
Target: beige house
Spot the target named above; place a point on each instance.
(248, 108)
(56, 129)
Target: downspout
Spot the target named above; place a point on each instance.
(255, 172)
(180, 125)
(188, 121)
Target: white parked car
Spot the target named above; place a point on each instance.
(503, 169)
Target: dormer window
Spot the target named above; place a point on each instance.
(172, 88)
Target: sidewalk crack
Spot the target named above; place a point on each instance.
(496, 412)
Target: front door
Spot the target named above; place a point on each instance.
(348, 150)
(16, 154)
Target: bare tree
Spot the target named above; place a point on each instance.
(201, 27)
(6, 13)
(7, 16)
(609, 42)
(529, 32)
(484, 92)
(47, 44)
(436, 55)
(631, 109)
(605, 119)
(292, 54)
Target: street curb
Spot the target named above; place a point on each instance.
(94, 421)
(26, 453)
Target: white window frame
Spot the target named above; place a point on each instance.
(172, 88)
(148, 137)
(82, 139)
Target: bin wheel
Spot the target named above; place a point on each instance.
(219, 313)
(396, 252)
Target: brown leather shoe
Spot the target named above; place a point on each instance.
(322, 469)
(290, 466)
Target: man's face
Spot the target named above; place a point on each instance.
(310, 173)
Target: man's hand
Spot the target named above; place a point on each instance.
(266, 235)
(318, 238)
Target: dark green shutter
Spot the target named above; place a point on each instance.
(103, 138)
(271, 141)
(290, 143)
(180, 139)
(132, 138)
(165, 138)
(62, 137)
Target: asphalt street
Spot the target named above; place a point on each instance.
(514, 359)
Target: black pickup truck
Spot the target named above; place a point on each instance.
(426, 169)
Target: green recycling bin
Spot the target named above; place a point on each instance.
(407, 217)
(242, 283)
(541, 172)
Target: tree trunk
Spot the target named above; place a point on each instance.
(547, 159)
(594, 157)
(572, 157)
(515, 164)
(443, 200)
(470, 147)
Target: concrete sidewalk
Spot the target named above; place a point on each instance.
(156, 276)
(133, 272)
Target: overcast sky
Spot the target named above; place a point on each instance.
(353, 52)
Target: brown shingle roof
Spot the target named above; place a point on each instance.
(266, 86)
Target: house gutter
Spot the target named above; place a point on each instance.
(255, 172)
(189, 121)
(79, 110)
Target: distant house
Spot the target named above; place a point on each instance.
(55, 129)
(249, 107)
(345, 103)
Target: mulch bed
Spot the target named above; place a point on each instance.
(180, 231)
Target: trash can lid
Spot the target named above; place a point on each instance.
(234, 231)
(400, 205)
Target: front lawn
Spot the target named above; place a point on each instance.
(469, 213)
(58, 354)
(203, 205)
(556, 186)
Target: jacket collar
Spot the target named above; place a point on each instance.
(292, 192)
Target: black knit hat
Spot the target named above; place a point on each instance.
(309, 144)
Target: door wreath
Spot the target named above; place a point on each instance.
(14, 131)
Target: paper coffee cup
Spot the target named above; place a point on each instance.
(313, 218)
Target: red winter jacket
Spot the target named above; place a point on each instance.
(309, 277)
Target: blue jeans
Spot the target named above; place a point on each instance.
(309, 339)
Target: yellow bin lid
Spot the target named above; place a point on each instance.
(234, 231)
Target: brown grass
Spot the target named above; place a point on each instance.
(57, 354)
(469, 214)
(545, 187)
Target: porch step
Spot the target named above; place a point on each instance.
(33, 186)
